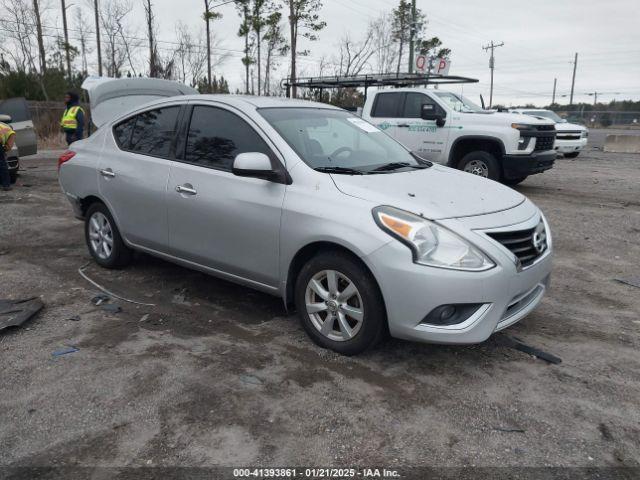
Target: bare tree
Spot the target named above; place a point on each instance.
(83, 38)
(112, 18)
(96, 11)
(354, 56)
(148, 12)
(67, 45)
(43, 56)
(385, 53)
(191, 56)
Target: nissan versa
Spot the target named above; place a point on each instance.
(315, 205)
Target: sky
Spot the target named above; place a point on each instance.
(540, 40)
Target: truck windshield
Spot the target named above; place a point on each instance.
(459, 103)
(545, 114)
(336, 141)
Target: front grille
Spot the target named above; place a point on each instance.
(545, 128)
(526, 245)
(545, 143)
(569, 136)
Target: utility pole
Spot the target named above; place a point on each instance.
(492, 63)
(66, 38)
(573, 80)
(555, 83)
(43, 61)
(412, 34)
(96, 11)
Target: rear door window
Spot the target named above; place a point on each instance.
(122, 133)
(388, 105)
(216, 136)
(154, 131)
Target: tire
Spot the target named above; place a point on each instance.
(514, 181)
(482, 164)
(364, 329)
(103, 238)
(13, 177)
(571, 155)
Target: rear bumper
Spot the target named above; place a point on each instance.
(518, 166)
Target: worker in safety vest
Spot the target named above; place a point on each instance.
(7, 137)
(72, 122)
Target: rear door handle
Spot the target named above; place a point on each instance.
(107, 172)
(186, 189)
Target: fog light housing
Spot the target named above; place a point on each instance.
(450, 314)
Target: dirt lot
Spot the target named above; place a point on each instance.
(217, 374)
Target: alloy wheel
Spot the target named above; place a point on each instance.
(334, 305)
(477, 167)
(101, 235)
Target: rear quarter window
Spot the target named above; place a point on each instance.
(388, 105)
(122, 133)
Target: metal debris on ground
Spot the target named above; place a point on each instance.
(14, 313)
(634, 281)
(517, 344)
(75, 318)
(111, 307)
(100, 287)
(100, 299)
(144, 318)
(64, 351)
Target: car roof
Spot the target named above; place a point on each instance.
(252, 100)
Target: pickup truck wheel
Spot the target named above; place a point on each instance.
(13, 177)
(103, 238)
(339, 304)
(571, 154)
(482, 164)
(514, 181)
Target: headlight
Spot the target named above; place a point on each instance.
(523, 127)
(585, 134)
(431, 244)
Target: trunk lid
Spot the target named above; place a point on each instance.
(111, 97)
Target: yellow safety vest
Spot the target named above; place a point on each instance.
(5, 132)
(69, 121)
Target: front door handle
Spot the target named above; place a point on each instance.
(186, 189)
(403, 125)
(107, 172)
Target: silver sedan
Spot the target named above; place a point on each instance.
(315, 205)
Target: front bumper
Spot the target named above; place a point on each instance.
(505, 293)
(518, 166)
(570, 146)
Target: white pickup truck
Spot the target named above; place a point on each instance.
(448, 128)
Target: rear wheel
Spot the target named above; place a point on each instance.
(103, 238)
(480, 163)
(339, 304)
(571, 154)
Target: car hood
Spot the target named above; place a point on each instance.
(110, 98)
(436, 193)
(570, 127)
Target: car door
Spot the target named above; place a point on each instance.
(216, 219)
(423, 137)
(386, 112)
(18, 110)
(133, 172)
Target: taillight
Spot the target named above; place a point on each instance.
(65, 157)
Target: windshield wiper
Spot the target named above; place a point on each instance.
(343, 170)
(396, 165)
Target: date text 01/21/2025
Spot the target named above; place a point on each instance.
(337, 473)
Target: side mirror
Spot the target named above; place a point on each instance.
(5, 118)
(257, 165)
(429, 112)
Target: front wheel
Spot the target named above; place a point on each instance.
(339, 304)
(482, 164)
(103, 238)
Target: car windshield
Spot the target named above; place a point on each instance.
(459, 103)
(545, 114)
(336, 141)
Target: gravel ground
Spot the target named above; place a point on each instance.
(216, 374)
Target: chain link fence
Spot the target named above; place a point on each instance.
(602, 119)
